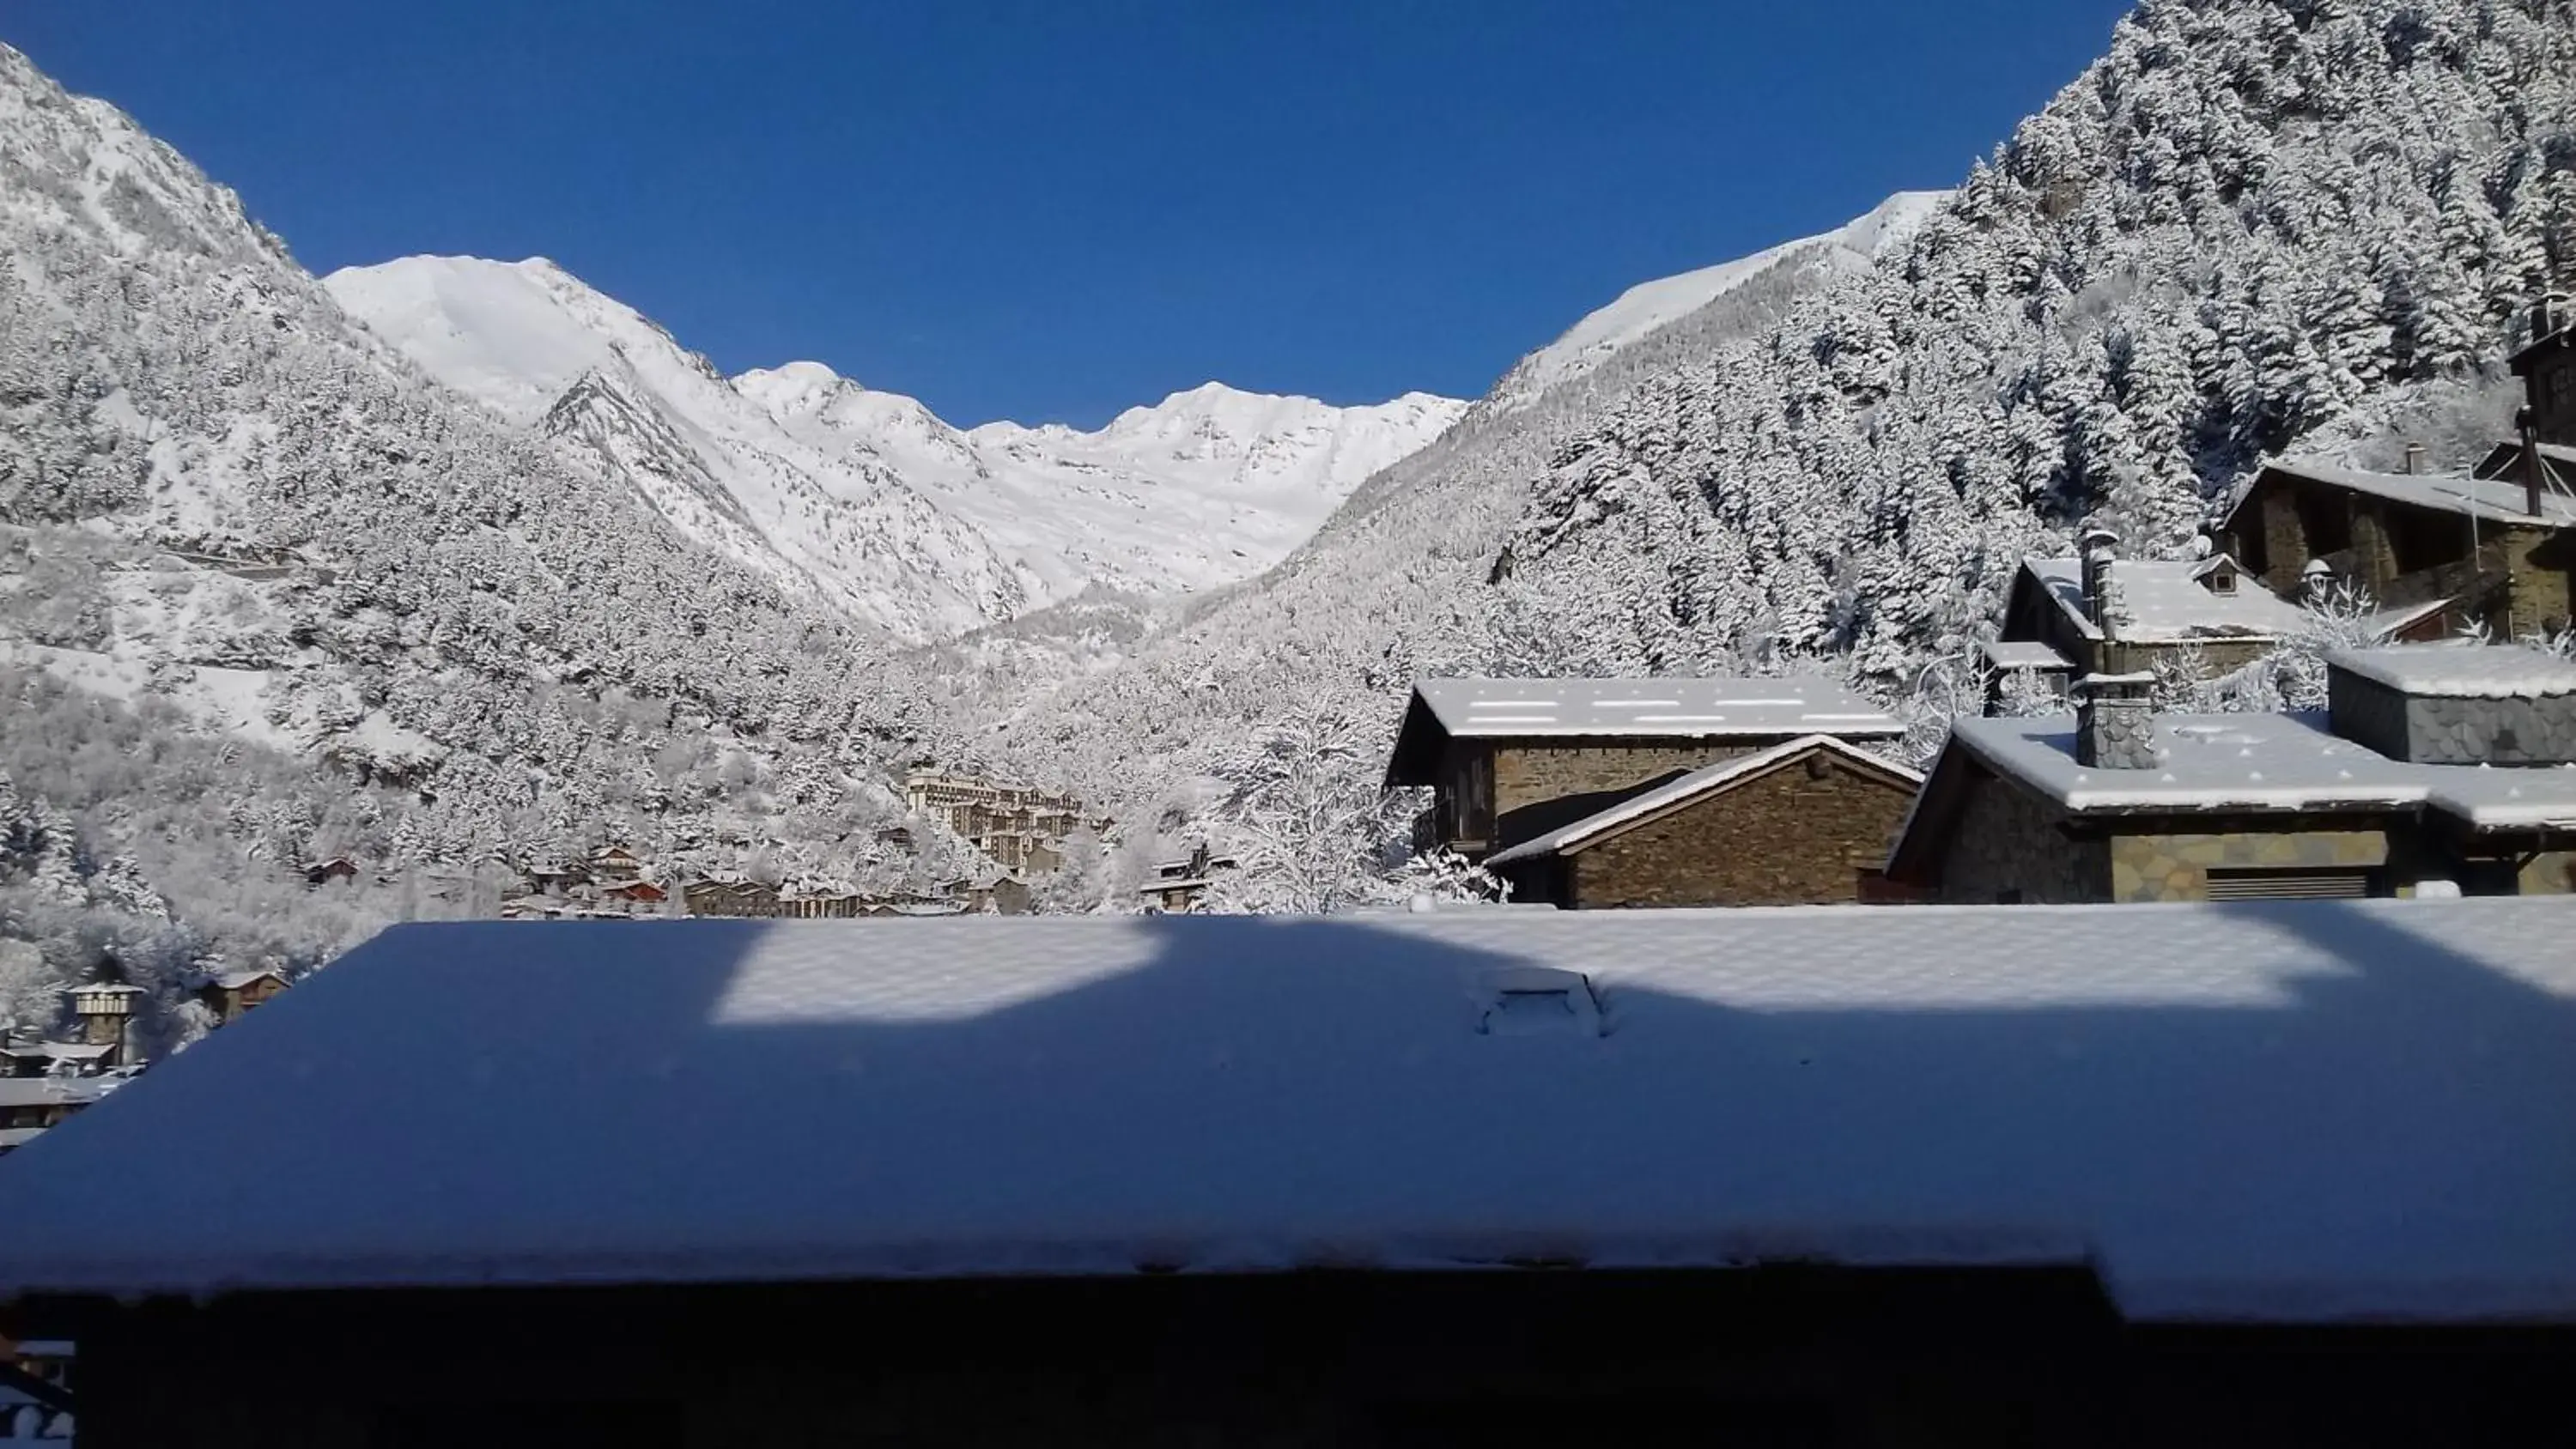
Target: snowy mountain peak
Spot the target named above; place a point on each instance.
(1642, 309)
(901, 518)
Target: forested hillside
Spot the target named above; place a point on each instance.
(346, 611)
(2253, 226)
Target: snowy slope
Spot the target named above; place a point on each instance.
(1207, 487)
(1642, 309)
(529, 340)
(903, 519)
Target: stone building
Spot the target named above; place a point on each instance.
(1824, 1176)
(730, 894)
(1802, 823)
(2439, 767)
(2497, 547)
(1019, 827)
(1509, 760)
(1179, 885)
(231, 992)
(2098, 613)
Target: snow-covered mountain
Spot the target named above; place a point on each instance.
(897, 517)
(2253, 226)
(1643, 309)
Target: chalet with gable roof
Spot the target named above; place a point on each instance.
(2497, 547)
(2442, 768)
(229, 993)
(1179, 885)
(1808, 822)
(1866, 1177)
(1509, 760)
(2098, 613)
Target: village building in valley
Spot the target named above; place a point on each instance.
(2439, 768)
(1510, 760)
(2496, 548)
(2097, 613)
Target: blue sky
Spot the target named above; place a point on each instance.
(1053, 209)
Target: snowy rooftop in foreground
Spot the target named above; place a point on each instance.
(2168, 603)
(2453, 671)
(2264, 762)
(2286, 1111)
(1689, 787)
(1653, 708)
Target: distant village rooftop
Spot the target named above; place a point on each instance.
(2168, 602)
(2374, 1093)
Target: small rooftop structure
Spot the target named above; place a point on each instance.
(1583, 710)
(2294, 1113)
(2454, 705)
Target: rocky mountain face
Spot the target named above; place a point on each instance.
(2253, 226)
(885, 511)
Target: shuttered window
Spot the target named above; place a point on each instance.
(2289, 885)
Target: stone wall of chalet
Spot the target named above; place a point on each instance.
(2007, 848)
(1795, 836)
(2147, 868)
(1532, 774)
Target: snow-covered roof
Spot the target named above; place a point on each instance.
(2168, 602)
(2278, 1110)
(1653, 708)
(49, 1091)
(1681, 791)
(59, 1051)
(236, 980)
(14, 1137)
(2260, 762)
(2012, 654)
(2462, 671)
(2491, 499)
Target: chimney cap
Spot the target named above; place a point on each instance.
(2093, 534)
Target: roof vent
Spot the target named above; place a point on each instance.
(1537, 1001)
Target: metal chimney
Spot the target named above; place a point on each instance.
(2414, 458)
(2535, 469)
(2097, 548)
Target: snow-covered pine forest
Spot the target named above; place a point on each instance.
(270, 593)
(2255, 226)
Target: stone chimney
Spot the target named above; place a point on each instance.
(2098, 548)
(2115, 722)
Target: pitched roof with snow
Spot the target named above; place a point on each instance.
(2008, 655)
(2462, 671)
(1697, 785)
(54, 1091)
(2488, 499)
(2168, 602)
(2291, 1111)
(1638, 709)
(2252, 763)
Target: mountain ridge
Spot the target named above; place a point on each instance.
(921, 528)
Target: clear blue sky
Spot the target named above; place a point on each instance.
(1051, 209)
